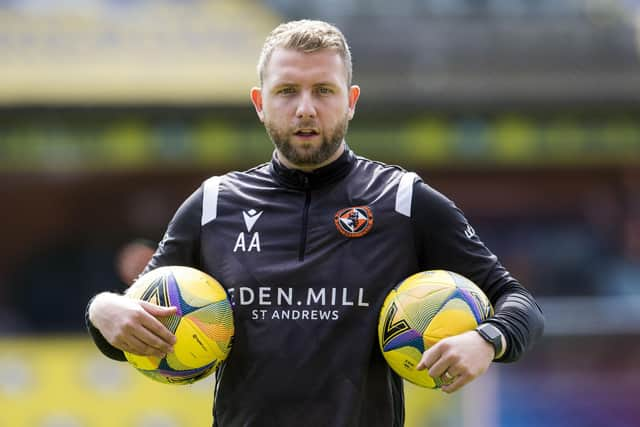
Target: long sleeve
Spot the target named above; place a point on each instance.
(179, 246)
(446, 240)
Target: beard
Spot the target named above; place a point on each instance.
(307, 154)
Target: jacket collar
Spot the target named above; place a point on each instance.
(299, 180)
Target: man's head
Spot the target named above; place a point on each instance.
(306, 98)
(306, 36)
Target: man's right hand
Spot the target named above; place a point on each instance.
(131, 325)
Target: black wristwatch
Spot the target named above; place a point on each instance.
(493, 336)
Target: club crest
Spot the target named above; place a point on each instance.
(354, 222)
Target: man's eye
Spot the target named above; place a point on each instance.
(287, 90)
(324, 90)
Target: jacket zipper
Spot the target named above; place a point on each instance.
(305, 220)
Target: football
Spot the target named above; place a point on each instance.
(203, 324)
(420, 311)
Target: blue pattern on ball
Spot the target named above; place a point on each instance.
(409, 338)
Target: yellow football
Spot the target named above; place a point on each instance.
(420, 311)
(203, 324)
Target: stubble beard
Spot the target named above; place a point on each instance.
(307, 155)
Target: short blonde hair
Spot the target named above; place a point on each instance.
(308, 36)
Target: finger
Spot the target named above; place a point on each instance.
(152, 340)
(440, 366)
(158, 310)
(447, 378)
(429, 357)
(136, 346)
(156, 327)
(457, 384)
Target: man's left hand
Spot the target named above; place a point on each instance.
(458, 360)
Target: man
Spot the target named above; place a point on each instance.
(308, 246)
(132, 258)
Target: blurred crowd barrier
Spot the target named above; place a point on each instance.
(65, 382)
(587, 380)
(143, 139)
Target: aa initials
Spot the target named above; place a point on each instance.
(253, 244)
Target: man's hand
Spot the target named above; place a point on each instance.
(131, 325)
(458, 360)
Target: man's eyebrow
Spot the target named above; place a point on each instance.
(285, 84)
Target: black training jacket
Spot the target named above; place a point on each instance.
(307, 259)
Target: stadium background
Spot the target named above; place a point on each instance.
(524, 112)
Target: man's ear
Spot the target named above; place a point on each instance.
(256, 98)
(354, 94)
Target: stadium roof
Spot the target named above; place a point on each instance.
(431, 52)
(116, 52)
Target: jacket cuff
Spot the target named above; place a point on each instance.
(100, 341)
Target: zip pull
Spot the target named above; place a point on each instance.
(305, 182)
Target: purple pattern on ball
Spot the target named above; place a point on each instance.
(168, 372)
(409, 338)
(472, 303)
(174, 293)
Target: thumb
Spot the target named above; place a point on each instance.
(158, 310)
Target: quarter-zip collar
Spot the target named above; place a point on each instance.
(299, 180)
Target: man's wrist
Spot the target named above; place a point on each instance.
(93, 303)
(91, 309)
(493, 336)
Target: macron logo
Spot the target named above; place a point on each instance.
(469, 231)
(250, 218)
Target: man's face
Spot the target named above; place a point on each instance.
(305, 105)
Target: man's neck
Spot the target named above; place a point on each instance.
(309, 168)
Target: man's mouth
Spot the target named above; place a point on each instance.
(306, 132)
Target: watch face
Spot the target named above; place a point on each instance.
(491, 331)
(493, 335)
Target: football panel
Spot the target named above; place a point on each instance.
(193, 349)
(461, 281)
(454, 318)
(423, 283)
(219, 337)
(143, 362)
(404, 361)
(143, 282)
(480, 300)
(216, 319)
(392, 321)
(474, 305)
(419, 311)
(410, 338)
(436, 276)
(201, 290)
(168, 376)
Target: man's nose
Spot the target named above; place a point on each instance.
(306, 108)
